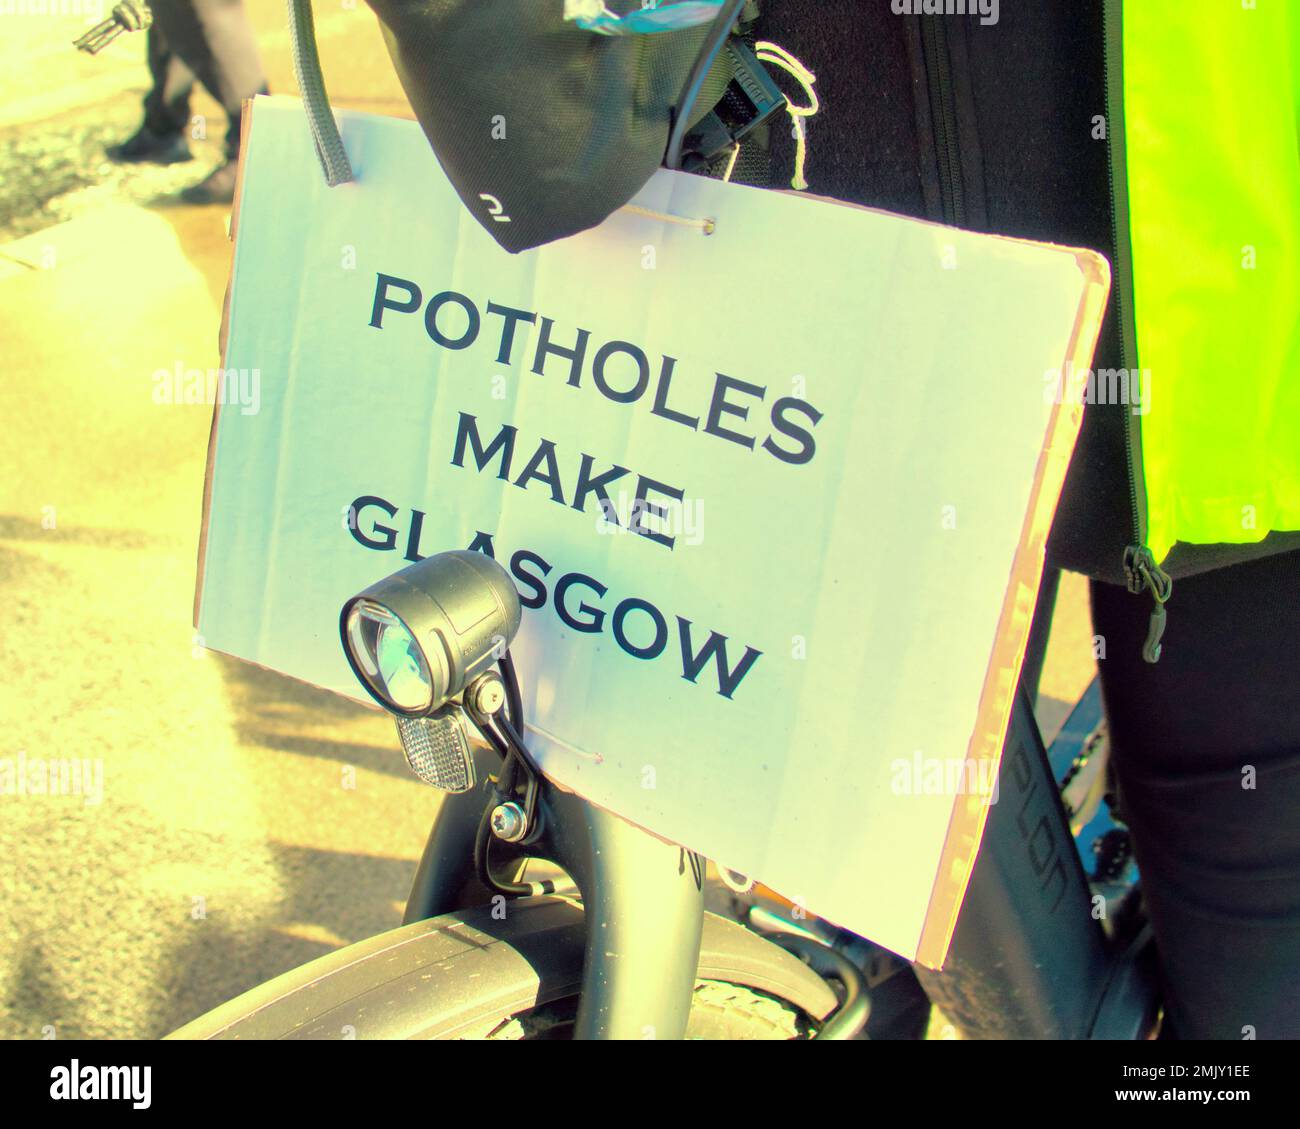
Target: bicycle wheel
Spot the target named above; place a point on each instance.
(472, 974)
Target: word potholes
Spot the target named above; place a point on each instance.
(620, 370)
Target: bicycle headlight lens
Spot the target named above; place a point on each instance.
(388, 656)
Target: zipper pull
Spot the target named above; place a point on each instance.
(1145, 575)
(1155, 629)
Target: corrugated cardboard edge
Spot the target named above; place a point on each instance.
(970, 812)
(245, 129)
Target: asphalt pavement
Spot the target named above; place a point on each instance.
(231, 823)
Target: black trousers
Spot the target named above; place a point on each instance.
(1207, 752)
(208, 40)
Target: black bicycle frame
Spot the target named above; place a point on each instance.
(643, 901)
(1028, 958)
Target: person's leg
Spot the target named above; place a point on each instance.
(161, 136)
(167, 105)
(1206, 748)
(217, 43)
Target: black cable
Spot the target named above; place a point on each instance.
(514, 699)
(851, 1016)
(483, 865)
(503, 730)
(518, 758)
(713, 44)
(515, 741)
(481, 837)
(493, 738)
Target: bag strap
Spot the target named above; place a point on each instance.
(333, 157)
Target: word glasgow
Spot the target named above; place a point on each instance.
(639, 628)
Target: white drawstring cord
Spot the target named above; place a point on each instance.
(768, 52)
(731, 164)
(707, 225)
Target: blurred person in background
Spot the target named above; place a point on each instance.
(213, 42)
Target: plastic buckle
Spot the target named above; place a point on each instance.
(749, 100)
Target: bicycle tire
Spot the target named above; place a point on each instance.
(449, 977)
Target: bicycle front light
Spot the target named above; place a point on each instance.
(417, 638)
(422, 643)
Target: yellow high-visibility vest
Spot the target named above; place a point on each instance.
(1211, 156)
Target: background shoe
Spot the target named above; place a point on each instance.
(218, 187)
(155, 148)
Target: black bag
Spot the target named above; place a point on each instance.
(543, 128)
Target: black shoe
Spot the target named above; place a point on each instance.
(155, 148)
(218, 187)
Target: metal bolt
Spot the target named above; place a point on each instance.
(508, 822)
(487, 695)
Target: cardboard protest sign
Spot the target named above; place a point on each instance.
(773, 476)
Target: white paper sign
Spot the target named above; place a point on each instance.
(846, 416)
